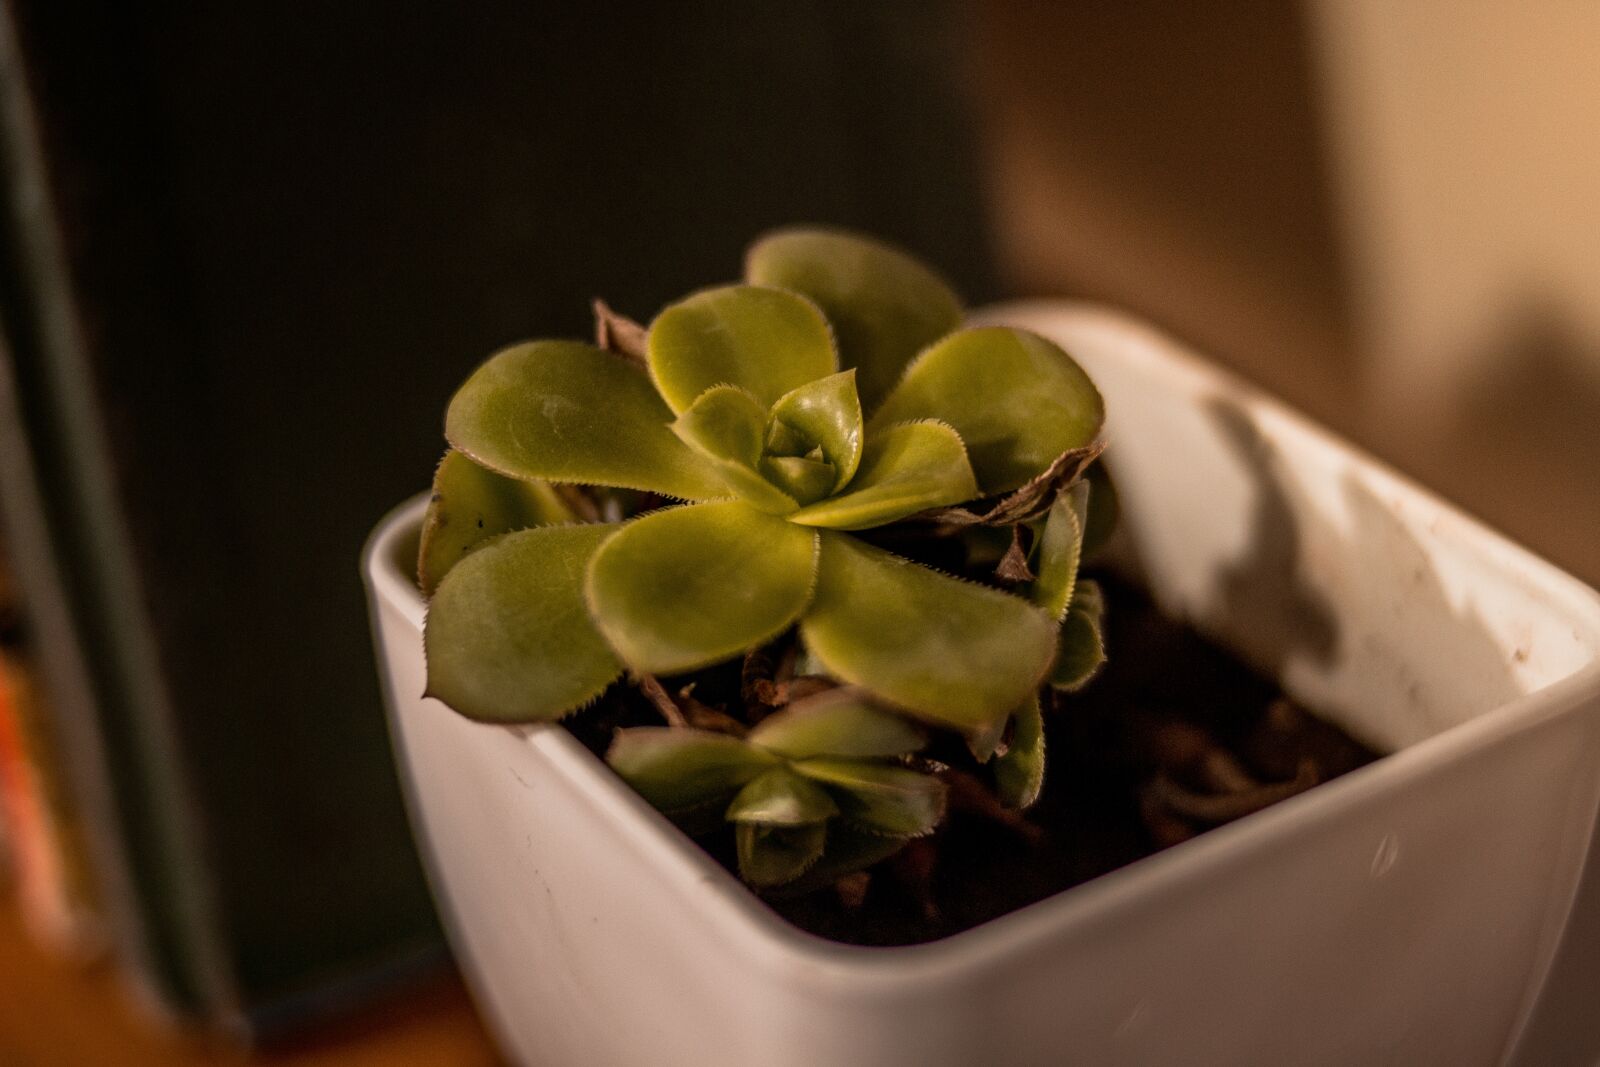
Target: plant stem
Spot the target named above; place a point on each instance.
(651, 688)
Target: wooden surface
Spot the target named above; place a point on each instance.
(56, 1013)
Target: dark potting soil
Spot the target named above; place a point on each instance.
(1174, 737)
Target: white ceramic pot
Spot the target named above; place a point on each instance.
(1405, 913)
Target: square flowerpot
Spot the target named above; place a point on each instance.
(1404, 913)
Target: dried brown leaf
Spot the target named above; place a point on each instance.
(1027, 502)
(1013, 566)
(617, 333)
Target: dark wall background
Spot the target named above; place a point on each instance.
(293, 228)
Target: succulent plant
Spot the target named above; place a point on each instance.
(825, 765)
(676, 497)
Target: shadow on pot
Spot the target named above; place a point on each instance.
(1339, 591)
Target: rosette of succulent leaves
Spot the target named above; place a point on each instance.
(733, 482)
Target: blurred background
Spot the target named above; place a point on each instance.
(249, 249)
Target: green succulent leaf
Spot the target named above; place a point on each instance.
(728, 426)
(1019, 774)
(772, 855)
(985, 741)
(837, 722)
(907, 468)
(1060, 549)
(780, 797)
(1104, 508)
(472, 504)
(568, 412)
(766, 341)
(690, 586)
(724, 422)
(955, 652)
(880, 797)
(825, 414)
(1017, 400)
(679, 769)
(806, 478)
(508, 637)
(847, 850)
(1083, 649)
(884, 305)
(785, 440)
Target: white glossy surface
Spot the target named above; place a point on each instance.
(1405, 913)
